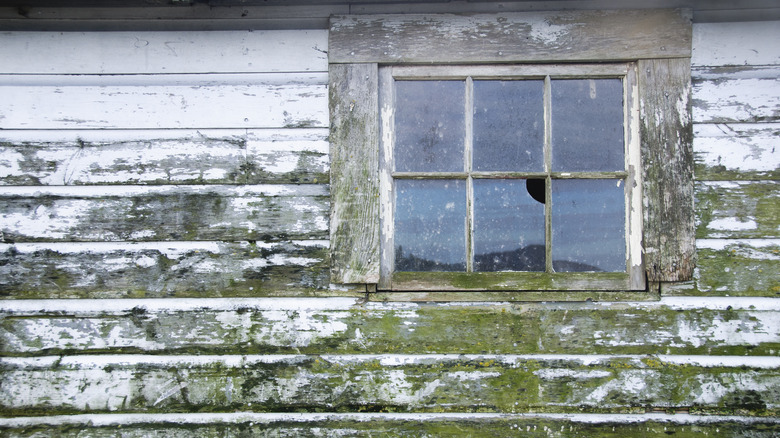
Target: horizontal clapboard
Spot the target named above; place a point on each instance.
(392, 424)
(718, 326)
(164, 269)
(735, 44)
(737, 151)
(201, 156)
(154, 213)
(732, 96)
(732, 267)
(163, 52)
(272, 100)
(394, 383)
(738, 209)
(725, 267)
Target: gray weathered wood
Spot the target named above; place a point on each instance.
(270, 100)
(158, 213)
(667, 157)
(397, 383)
(163, 52)
(276, 156)
(738, 210)
(715, 326)
(737, 151)
(354, 160)
(164, 269)
(511, 37)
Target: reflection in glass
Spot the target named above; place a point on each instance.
(508, 125)
(587, 125)
(588, 225)
(429, 126)
(508, 227)
(430, 225)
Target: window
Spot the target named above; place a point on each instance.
(509, 169)
(424, 143)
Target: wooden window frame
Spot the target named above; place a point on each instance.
(657, 42)
(632, 278)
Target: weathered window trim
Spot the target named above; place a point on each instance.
(659, 41)
(631, 279)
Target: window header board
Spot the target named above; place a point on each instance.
(574, 36)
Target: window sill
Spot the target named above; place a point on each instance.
(653, 294)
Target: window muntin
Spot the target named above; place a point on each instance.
(517, 190)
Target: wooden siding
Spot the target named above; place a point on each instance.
(736, 74)
(164, 102)
(124, 53)
(161, 157)
(164, 164)
(166, 355)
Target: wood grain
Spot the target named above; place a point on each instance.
(667, 157)
(511, 37)
(354, 160)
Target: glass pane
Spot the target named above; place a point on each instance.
(508, 125)
(430, 225)
(588, 222)
(429, 126)
(508, 227)
(587, 125)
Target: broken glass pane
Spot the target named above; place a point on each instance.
(508, 126)
(588, 223)
(430, 225)
(587, 125)
(429, 126)
(508, 227)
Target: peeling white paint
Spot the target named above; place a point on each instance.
(732, 224)
(113, 420)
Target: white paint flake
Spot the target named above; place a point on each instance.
(732, 224)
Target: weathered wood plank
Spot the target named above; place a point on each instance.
(162, 101)
(354, 159)
(160, 213)
(390, 383)
(511, 37)
(737, 151)
(667, 158)
(717, 326)
(157, 269)
(163, 52)
(737, 268)
(735, 100)
(743, 43)
(164, 157)
(214, 425)
(738, 210)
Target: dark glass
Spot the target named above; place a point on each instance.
(508, 126)
(430, 225)
(429, 126)
(508, 227)
(587, 125)
(588, 225)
